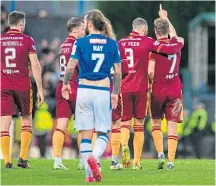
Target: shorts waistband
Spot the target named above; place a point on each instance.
(94, 87)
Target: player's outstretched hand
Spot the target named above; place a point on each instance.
(66, 91)
(40, 97)
(162, 13)
(114, 101)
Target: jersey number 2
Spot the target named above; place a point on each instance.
(100, 60)
(12, 56)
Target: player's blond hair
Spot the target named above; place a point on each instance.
(139, 22)
(100, 22)
(109, 30)
(161, 27)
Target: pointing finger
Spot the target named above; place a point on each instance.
(161, 7)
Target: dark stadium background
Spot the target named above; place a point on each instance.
(46, 23)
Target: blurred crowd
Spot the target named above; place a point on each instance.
(195, 130)
(4, 22)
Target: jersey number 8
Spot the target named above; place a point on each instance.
(62, 65)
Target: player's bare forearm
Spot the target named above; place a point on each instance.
(151, 67)
(172, 29)
(36, 70)
(70, 70)
(117, 77)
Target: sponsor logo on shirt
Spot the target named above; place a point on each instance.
(10, 71)
(98, 41)
(156, 43)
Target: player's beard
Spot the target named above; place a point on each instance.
(86, 31)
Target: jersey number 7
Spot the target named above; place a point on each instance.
(100, 60)
(173, 58)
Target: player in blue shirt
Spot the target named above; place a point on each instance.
(94, 54)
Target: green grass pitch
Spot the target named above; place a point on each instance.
(187, 172)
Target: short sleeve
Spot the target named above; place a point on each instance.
(117, 56)
(76, 52)
(31, 46)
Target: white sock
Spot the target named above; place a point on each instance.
(58, 160)
(170, 163)
(115, 158)
(86, 151)
(160, 154)
(100, 146)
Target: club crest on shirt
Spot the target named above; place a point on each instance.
(156, 43)
(34, 47)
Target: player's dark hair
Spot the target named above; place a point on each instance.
(161, 26)
(100, 22)
(15, 17)
(97, 19)
(74, 22)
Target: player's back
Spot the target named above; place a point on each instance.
(136, 51)
(64, 57)
(15, 50)
(166, 74)
(97, 54)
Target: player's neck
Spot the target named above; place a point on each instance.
(73, 35)
(16, 28)
(95, 32)
(161, 37)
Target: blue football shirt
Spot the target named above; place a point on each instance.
(97, 54)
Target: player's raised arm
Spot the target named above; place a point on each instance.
(36, 70)
(163, 14)
(161, 27)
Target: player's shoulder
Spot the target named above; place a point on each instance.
(27, 37)
(147, 38)
(81, 40)
(173, 39)
(67, 43)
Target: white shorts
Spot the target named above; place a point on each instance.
(93, 109)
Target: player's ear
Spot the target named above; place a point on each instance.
(21, 23)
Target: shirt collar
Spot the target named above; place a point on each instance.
(71, 38)
(13, 31)
(133, 33)
(165, 39)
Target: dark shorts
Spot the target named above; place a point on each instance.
(117, 113)
(22, 99)
(65, 108)
(134, 105)
(167, 103)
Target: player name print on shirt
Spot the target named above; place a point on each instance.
(97, 48)
(12, 43)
